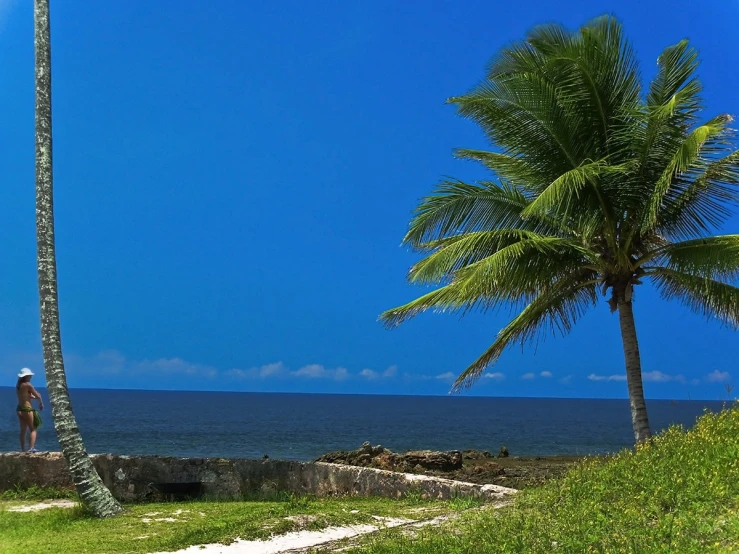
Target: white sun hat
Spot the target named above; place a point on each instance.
(25, 372)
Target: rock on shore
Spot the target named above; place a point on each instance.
(475, 466)
(383, 458)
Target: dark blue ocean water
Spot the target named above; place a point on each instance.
(304, 426)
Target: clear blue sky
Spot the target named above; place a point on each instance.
(233, 180)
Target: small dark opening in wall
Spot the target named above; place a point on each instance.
(179, 491)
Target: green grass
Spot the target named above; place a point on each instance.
(38, 493)
(198, 522)
(678, 493)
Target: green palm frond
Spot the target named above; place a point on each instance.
(524, 267)
(709, 136)
(675, 85)
(454, 253)
(456, 207)
(710, 257)
(704, 203)
(523, 114)
(512, 274)
(450, 298)
(672, 105)
(706, 297)
(597, 72)
(558, 307)
(515, 170)
(564, 191)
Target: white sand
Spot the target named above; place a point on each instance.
(294, 540)
(43, 506)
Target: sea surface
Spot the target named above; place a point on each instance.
(305, 426)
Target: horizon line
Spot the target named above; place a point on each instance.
(448, 395)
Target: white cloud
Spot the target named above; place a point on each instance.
(391, 371)
(271, 370)
(545, 374)
(276, 369)
(114, 364)
(594, 377)
(528, 376)
(165, 366)
(240, 373)
(368, 374)
(565, 380)
(448, 376)
(656, 377)
(317, 371)
(314, 371)
(661, 377)
(717, 376)
(494, 376)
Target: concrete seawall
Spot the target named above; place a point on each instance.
(138, 478)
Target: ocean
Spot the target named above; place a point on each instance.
(305, 426)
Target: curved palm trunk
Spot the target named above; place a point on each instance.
(639, 419)
(89, 485)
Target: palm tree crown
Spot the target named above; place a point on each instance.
(600, 186)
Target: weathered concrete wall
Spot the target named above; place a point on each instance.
(136, 478)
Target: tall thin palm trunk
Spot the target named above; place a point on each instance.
(89, 485)
(639, 419)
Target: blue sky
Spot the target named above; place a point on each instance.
(233, 180)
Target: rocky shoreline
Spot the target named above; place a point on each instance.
(474, 466)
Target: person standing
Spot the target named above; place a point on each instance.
(28, 417)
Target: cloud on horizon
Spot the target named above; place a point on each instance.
(497, 376)
(660, 377)
(717, 376)
(448, 376)
(111, 363)
(647, 376)
(111, 366)
(317, 371)
(594, 377)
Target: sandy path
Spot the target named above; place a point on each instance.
(45, 505)
(295, 540)
(299, 542)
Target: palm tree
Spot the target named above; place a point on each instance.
(89, 485)
(600, 186)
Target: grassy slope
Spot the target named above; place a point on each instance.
(679, 493)
(71, 530)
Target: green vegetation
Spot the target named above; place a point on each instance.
(600, 186)
(679, 492)
(148, 527)
(38, 493)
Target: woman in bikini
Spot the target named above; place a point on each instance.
(29, 419)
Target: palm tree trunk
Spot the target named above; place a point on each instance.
(89, 485)
(639, 419)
